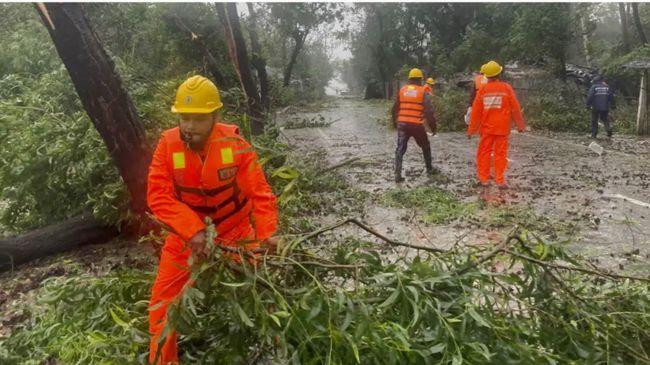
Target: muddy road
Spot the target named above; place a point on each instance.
(555, 176)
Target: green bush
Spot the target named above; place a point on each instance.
(55, 164)
(353, 307)
(450, 106)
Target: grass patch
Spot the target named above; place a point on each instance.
(440, 206)
(508, 215)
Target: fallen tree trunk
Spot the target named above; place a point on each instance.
(56, 238)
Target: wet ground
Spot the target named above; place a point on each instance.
(555, 175)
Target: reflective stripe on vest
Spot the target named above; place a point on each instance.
(208, 187)
(411, 104)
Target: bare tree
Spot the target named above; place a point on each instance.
(637, 23)
(213, 65)
(624, 27)
(239, 56)
(257, 59)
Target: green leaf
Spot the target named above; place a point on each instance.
(391, 299)
(118, 320)
(233, 285)
(477, 317)
(276, 320)
(437, 348)
(282, 314)
(243, 316)
(354, 347)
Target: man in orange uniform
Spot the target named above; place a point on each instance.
(479, 81)
(202, 168)
(410, 110)
(493, 111)
(429, 86)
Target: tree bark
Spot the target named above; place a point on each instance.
(213, 65)
(102, 94)
(624, 27)
(53, 239)
(239, 56)
(637, 23)
(299, 38)
(258, 61)
(585, 37)
(642, 122)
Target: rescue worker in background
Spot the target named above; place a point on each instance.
(411, 109)
(479, 81)
(202, 168)
(599, 99)
(429, 86)
(493, 111)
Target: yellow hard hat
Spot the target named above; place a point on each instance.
(197, 95)
(491, 69)
(430, 81)
(415, 73)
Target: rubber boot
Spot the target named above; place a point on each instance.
(398, 170)
(427, 162)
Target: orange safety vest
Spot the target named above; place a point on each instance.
(494, 109)
(411, 104)
(208, 187)
(480, 81)
(428, 89)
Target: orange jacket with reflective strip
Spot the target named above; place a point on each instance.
(411, 104)
(225, 183)
(479, 81)
(428, 89)
(494, 109)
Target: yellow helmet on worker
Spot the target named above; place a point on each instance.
(416, 73)
(197, 95)
(491, 69)
(430, 81)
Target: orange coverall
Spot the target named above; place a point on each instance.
(493, 110)
(225, 182)
(428, 89)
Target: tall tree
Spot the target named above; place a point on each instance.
(582, 13)
(257, 58)
(102, 94)
(239, 56)
(624, 27)
(542, 30)
(296, 21)
(213, 65)
(637, 23)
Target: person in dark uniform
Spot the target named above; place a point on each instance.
(599, 100)
(411, 110)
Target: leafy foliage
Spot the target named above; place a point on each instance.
(362, 308)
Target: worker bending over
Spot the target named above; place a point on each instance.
(202, 168)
